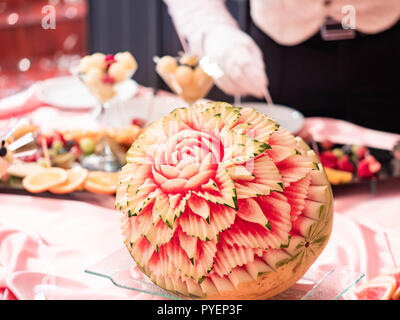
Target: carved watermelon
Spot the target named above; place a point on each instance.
(221, 203)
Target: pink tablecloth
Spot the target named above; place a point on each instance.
(45, 244)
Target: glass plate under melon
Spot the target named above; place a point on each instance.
(335, 284)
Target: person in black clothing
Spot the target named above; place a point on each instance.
(330, 58)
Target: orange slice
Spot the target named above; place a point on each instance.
(76, 177)
(101, 182)
(24, 169)
(43, 180)
(384, 278)
(338, 176)
(375, 291)
(79, 134)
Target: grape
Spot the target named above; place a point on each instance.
(52, 152)
(87, 145)
(338, 152)
(57, 145)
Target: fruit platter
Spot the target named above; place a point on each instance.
(357, 164)
(56, 162)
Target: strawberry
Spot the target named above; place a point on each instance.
(108, 79)
(138, 122)
(31, 158)
(368, 166)
(109, 59)
(59, 137)
(345, 164)
(328, 159)
(327, 144)
(76, 151)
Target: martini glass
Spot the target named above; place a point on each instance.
(105, 91)
(185, 75)
(188, 75)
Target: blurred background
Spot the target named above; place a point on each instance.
(28, 53)
(142, 27)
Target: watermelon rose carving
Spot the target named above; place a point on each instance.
(220, 202)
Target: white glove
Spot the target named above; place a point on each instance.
(212, 31)
(240, 59)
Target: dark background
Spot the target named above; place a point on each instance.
(355, 80)
(349, 79)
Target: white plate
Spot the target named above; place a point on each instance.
(143, 107)
(287, 117)
(70, 93)
(154, 108)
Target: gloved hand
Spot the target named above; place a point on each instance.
(211, 31)
(239, 57)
